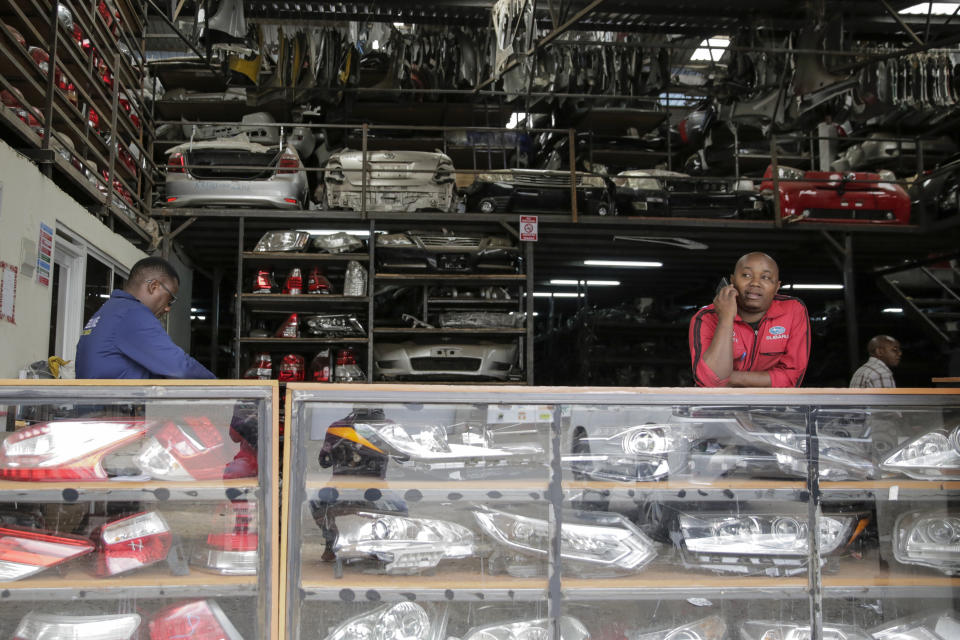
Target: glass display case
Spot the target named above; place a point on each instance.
(142, 510)
(422, 512)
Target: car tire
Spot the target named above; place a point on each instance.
(487, 205)
(603, 208)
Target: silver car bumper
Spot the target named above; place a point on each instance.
(423, 361)
(272, 193)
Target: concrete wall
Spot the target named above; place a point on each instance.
(29, 198)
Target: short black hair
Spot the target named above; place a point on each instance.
(152, 267)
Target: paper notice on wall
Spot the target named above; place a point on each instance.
(44, 255)
(8, 291)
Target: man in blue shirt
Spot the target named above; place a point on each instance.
(124, 338)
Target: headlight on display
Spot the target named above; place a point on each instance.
(932, 456)
(394, 240)
(641, 453)
(570, 629)
(712, 628)
(936, 626)
(746, 534)
(405, 545)
(760, 630)
(599, 540)
(400, 621)
(435, 444)
(929, 539)
(591, 181)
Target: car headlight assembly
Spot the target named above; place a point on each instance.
(942, 625)
(932, 456)
(570, 629)
(764, 544)
(762, 630)
(403, 545)
(928, 539)
(597, 543)
(711, 628)
(400, 621)
(394, 240)
(641, 453)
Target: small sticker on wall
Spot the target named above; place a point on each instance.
(8, 291)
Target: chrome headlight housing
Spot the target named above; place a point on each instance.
(403, 544)
(928, 539)
(712, 628)
(932, 456)
(436, 445)
(570, 629)
(283, 241)
(394, 240)
(936, 626)
(596, 541)
(639, 453)
(762, 630)
(400, 621)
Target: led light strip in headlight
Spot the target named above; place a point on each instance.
(570, 629)
(932, 456)
(400, 621)
(608, 540)
(763, 630)
(712, 628)
(403, 544)
(929, 539)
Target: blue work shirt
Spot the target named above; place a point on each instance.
(124, 339)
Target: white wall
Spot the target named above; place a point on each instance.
(29, 198)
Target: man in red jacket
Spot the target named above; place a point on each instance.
(765, 336)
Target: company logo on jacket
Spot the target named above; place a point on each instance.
(778, 333)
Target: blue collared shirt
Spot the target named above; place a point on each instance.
(124, 339)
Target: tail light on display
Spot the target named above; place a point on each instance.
(290, 327)
(175, 163)
(232, 550)
(262, 368)
(264, 282)
(68, 450)
(293, 285)
(347, 369)
(130, 543)
(43, 626)
(196, 450)
(317, 282)
(24, 552)
(198, 620)
(928, 539)
(289, 162)
(292, 368)
(320, 367)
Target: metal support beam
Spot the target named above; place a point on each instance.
(176, 232)
(236, 300)
(850, 304)
(528, 338)
(215, 318)
(903, 25)
(510, 230)
(151, 4)
(47, 169)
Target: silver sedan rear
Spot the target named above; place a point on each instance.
(396, 181)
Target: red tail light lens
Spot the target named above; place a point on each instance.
(292, 368)
(290, 327)
(262, 369)
(263, 283)
(294, 282)
(175, 163)
(41, 626)
(24, 552)
(289, 162)
(320, 369)
(317, 282)
(346, 356)
(68, 450)
(195, 450)
(198, 620)
(232, 549)
(132, 543)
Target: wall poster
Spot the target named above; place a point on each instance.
(8, 291)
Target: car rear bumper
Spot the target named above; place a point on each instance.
(274, 193)
(391, 198)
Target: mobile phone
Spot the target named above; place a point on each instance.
(723, 283)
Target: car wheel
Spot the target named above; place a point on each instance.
(487, 205)
(947, 199)
(602, 208)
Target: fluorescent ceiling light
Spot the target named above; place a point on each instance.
(711, 49)
(556, 294)
(893, 310)
(796, 287)
(327, 232)
(589, 283)
(939, 8)
(622, 263)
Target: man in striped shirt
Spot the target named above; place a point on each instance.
(876, 372)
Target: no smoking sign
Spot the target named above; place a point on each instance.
(528, 228)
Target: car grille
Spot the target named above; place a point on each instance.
(445, 364)
(449, 241)
(231, 165)
(696, 186)
(541, 180)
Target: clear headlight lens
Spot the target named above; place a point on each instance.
(498, 242)
(436, 444)
(599, 539)
(641, 453)
(394, 240)
(937, 626)
(403, 544)
(570, 629)
(760, 630)
(760, 534)
(283, 241)
(929, 539)
(931, 456)
(400, 621)
(712, 628)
